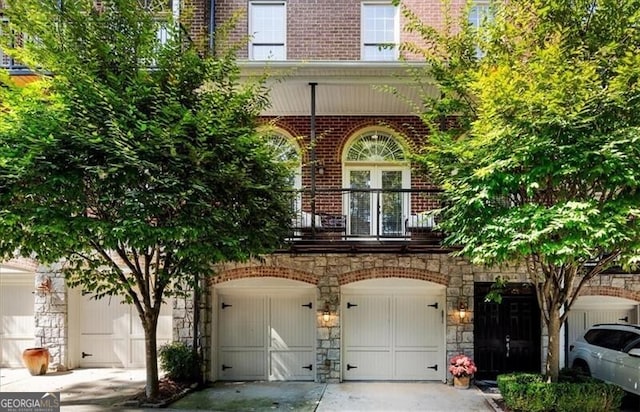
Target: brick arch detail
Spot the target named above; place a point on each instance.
(392, 272)
(21, 264)
(610, 291)
(262, 272)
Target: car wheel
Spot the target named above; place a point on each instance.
(582, 368)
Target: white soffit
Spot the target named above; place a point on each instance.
(343, 88)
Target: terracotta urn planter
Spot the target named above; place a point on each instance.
(461, 382)
(36, 360)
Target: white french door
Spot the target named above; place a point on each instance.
(373, 206)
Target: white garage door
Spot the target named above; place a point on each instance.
(17, 325)
(590, 310)
(266, 335)
(393, 333)
(111, 333)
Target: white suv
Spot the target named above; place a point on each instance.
(610, 352)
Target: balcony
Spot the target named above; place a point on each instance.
(366, 220)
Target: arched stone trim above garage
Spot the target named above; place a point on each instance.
(610, 291)
(21, 263)
(392, 272)
(263, 271)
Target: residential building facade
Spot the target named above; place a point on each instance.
(364, 289)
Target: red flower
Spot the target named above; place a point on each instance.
(462, 365)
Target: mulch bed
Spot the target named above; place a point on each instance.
(169, 392)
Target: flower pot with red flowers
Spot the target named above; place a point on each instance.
(462, 368)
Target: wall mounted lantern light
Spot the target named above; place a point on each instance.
(326, 314)
(462, 310)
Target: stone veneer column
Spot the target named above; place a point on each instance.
(182, 320)
(459, 289)
(50, 312)
(328, 360)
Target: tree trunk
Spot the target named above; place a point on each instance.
(552, 365)
(152, 388)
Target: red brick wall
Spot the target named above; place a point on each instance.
(332, 134)
(327, 29)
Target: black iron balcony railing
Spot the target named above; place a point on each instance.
(365, 214)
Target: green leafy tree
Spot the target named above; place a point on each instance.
(541, 159)
(136, 163)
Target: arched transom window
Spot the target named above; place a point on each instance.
(375, 147)
(285, 150)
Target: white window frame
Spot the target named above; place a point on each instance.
(482, 9)
(163, 35)
(5, 61)
(375, 168)
(396, 30)
(283, 45)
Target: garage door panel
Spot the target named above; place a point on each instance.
(291, 365)
(111, 333)
(418, 365)
(579, 320)
(266, 335)
(418, 321)
(242, 321)
(393, 335)
(103, 351)
(242, 365)
(104, 317)
(362, 313)
(12, 349)
(368, 365)
(17, 324)
(291, 322)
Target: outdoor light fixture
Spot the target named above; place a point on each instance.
(462, 309)
(326, 314)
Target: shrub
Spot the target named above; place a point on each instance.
(179, 362)
(530, 393)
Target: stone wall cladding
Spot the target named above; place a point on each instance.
(182, 323)
(331, 271)
(615, 285)
(51, 316)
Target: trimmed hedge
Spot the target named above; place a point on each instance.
(528, 392)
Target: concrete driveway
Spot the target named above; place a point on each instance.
(107, 389)
(96, 389)
(352, 396)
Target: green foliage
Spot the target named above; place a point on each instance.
(179, 361)
(138, 163)
(162, 168)
(532, 393)
(536, 140)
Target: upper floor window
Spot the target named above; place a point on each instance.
(380, 31)
(286, 151)
(479, 12)
(164, 10)
(268, 30)
(6, 61)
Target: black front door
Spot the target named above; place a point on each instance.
(507, 335)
